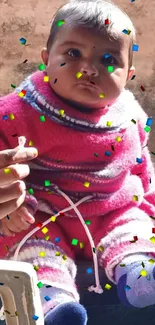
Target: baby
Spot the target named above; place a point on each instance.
(93, 176)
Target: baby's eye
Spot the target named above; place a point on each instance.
(110, 60)
(74, 53)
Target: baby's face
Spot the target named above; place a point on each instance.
(83, 50)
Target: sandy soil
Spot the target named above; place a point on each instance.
(31, 19)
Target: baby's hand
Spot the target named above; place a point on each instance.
(19, 220)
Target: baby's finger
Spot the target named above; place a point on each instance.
(18, 224)
(26, 213)
(5, 231)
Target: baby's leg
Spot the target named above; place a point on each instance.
(56, 272)
(136, 280)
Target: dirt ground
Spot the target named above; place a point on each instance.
(31, 19)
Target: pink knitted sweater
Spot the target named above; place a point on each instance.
(83, 155)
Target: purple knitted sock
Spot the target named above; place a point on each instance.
(136, 280)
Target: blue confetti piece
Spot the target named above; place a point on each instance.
(127, 288)
(5, 117)
(135, 47)
(57, 239)
(107, 153)
(139, 160)
(23, 40)
(89, 270)
(47, 298)
(149, 121)
(125, 31)
(107, 55)
(35, 317)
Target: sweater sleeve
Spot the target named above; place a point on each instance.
(145, 170)
(130, 230)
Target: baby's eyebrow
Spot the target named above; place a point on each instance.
(108, 50)
(71, 43)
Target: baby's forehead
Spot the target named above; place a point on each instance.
(86, 36)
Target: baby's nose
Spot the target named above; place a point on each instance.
(89, 71)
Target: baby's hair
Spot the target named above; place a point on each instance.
(92, 14)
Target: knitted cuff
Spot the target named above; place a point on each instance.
(53, 266)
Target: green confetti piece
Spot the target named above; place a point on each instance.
(74, 241)
(110, 68)
(60, 22)
(41, 67)
(13, 86)
(87, 222)
(147, 129)
(31, 191)
(40, 285)
(47, 183)
(42, 118)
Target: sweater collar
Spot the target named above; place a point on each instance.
(47, 102)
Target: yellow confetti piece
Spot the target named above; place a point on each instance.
(46, 78)
(57, 254)
(61, 112)
(42, 254)
(44, 230)
(143, 273)
(11, 117)
(86, 184)
(109, 123)
(30, 143)
(21, 94)
(7, 247)
(152, 240)
(7, 171)
(64, 257)
(78, 75)
(36, 268)
(49, 192)
(101, 248)
(53, 218)
(135, 198)
(16, 313)
(151, 261)
(102, 95)
(47, 237)
(81, 245)
(118, 139)
(108, 286)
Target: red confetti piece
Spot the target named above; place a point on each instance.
(40, 225)
(153, 230)
(107, 22)
(142, 88)
(61, 213)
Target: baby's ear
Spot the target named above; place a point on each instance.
(131, 72)
(44, 55)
